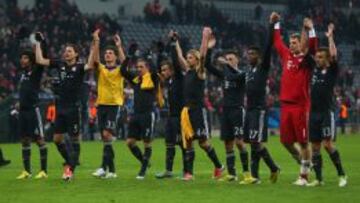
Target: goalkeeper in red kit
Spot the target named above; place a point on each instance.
(297, 65)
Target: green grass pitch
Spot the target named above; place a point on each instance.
(85, 188)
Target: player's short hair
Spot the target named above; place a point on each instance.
(167, 63)
(74, 46)
(76, 49)
(112, 48)
(233, 52)
(29, 53)
(295, 35)
(139, 60)
(325, 50)
(256, 49)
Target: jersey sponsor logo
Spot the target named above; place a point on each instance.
(229, 84)
(290, 65)
(316, 79)
(24, 77)
(249, 77)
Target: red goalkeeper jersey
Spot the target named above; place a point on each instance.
(296, 71)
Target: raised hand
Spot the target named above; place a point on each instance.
(207, 32)
(330, 32)
(117, 40)
(39, 37)
(274, 17)
(95, 35)
(308, 23)
(173, 35)
(212, 42)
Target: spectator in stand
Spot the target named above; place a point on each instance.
(343, 116)
(258, 11)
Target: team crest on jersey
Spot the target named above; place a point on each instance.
(75, 128)
(62, 75)
(73, 69)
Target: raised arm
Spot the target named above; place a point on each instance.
(173, 53)
(125, 72)
(267, 53)
(118, 44)
(304, 41)
(182, 61)
(332, 47)
(309, 40)
(207, 32)
(90, 63)
(96, 48)
(279, 44)
(208, 62)
(39, 54)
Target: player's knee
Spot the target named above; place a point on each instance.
(188, 145)
(40, 142)
(240, 144)
(106, 136)
(304, 146)
(26, 141)
(316, 146)
(147, 144)
(130, 142)
(169, 144)
(58, 138)
(256, 146)
(229, 145)
(288, 146)
(75, 139)
(204, 144)
(329, 147)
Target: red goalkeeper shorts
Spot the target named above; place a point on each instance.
(294, 124)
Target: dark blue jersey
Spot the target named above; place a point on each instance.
(30, 86)
(322, 88)
(233, 83)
